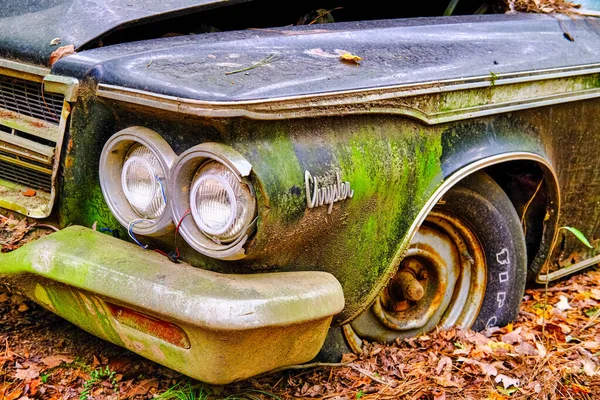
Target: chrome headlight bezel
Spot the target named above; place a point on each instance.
(182, 176)
(112, 161)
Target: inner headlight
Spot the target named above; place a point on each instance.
(220, 204)
(143, 180)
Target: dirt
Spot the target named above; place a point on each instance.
(551, 352)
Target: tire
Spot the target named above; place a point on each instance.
(485, 207)
(468, 261)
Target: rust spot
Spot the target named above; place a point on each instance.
(69, 162)
(70, 145)
(152, 326)
(5, 114)
(38, 124)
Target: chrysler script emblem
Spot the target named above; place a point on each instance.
(318, 194)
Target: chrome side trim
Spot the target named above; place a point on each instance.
(389, 100)
(566, 271)
(22, 70)
(439, 193)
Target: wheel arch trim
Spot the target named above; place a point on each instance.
(550, 224)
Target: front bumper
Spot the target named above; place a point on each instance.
(213, 327)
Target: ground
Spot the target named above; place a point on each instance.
(550, 352)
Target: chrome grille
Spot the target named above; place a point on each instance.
(40, 179)
(27, 98)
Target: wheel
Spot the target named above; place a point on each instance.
(466, 266)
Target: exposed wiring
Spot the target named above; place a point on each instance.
(523, 220)
(113, 232)
(162, 189)
(185, 214)
(162, 252)
(132, 235)
(48, 108)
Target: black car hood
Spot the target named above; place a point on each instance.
(27, 27)
(304, 60)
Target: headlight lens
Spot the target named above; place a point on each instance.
(220, 204)
(143, 181)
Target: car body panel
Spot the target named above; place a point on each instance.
(421, 51)
(28, 28)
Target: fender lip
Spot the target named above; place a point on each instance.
(94, 262)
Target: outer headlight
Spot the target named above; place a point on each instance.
(210, 182)
(134, 167)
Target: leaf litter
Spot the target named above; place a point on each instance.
(552, 352)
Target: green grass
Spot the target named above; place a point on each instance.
(97, 376)
(188, 391)
(183, 392)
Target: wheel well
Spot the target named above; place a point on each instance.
(533, 191)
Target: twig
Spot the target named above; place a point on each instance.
(262, 62)
(553, 289)
(324, 14)
(527, 314)
(450, 8)
(373, 377)
(591, 321)
(523, 221)
(545, 308)
(307, 366)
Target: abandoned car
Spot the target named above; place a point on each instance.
(252, 188)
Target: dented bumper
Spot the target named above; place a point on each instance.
(214, 327)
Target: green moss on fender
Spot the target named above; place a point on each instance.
(393, 166)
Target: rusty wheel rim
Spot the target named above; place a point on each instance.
(440, 282)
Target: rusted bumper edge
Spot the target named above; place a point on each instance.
(213, 327)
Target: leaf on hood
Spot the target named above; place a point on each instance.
(350, 58)
(61, 52)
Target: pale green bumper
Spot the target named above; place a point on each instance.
(214, 327)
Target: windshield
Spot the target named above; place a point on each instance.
(590, 4)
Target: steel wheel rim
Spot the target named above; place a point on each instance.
(455, 269)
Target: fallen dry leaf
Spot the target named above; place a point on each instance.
(28, 374)
(563, 304)
(61, 52)
(29, 193)
(507, 381)
(350, 58)
(55, 361)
